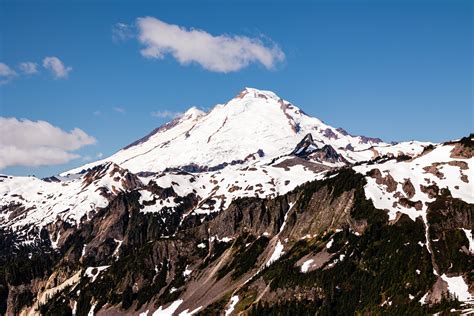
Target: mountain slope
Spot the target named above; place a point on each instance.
(264, 210)
(253, 123)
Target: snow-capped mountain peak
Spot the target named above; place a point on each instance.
(253, 121)
(193, 113)
(249, 93)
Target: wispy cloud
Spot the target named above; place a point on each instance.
(6, 74)
(89, 157)
(119, 109)
(38, 143)
(57, 67)
(166, 114)
(218, 53)
(97, 113)
(29, 68)
(122, 32)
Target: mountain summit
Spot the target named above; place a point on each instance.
(254, 121)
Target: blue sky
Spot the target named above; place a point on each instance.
(398, 70)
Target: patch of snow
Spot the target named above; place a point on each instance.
(233, 301)
(277, 253)
(187, 272)
(201, 245)
(468, 233)
(422, 301)
(306, 265)
(285, 217)
(74, 309)
(187, 313)
(168, 311)
(119, 244)
(90, 272)
(329, 244)
(54, 243)
(458, 287)
(91, 310)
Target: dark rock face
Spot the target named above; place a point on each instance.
(450, 247)
(309, 150)
(305, 147)
(342, 131)
(327, 154)
(366, 140)
(330, 134)
(51, 179)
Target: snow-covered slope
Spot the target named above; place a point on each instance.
(253, 124)
(394, 181)
(29, 202)
(411, 187)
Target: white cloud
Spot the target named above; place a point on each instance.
(222, 53)
(29, 68)
(6, 71)
(6, 74)
(97, 113)
(38, 143)
(166, 114)
(56, 66)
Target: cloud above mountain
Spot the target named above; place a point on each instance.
(166, 114)
(217, 53)
(38, 143)
(6, 74)
(57, 67)
(29, 68)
